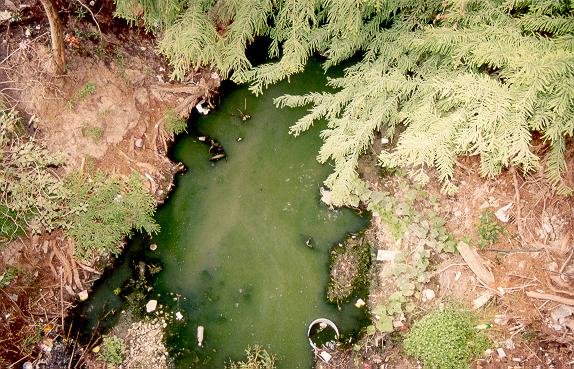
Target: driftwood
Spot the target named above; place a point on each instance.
(546, 296)
(475, 263)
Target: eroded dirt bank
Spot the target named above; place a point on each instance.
(107, 113)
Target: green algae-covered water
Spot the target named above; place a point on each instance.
(233, 239)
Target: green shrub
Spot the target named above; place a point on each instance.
(489, 230)
(105, 209)
(445, 339)
(257, 358)
(113, 350)
(9, 276)
(173, 123)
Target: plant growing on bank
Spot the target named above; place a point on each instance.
(174, 124)
(489, 229)
(446, 339)
(256, 358)
(97, 211)
(113, 350)
(439, 79)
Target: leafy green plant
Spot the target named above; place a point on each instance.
(113, 350)
(93, 132)
(88, 89)
(445, 339)
(174, 124)
(257, 358)
(489, 229)
(9, 276)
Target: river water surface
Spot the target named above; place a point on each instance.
(232, 244)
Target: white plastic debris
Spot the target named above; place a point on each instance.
(501, 353)
(151, 306)
(326, 196)
(384, 140)
(387, 255)
(503, 214)
(360, 303)
(5, 15)
(200, 331)
(457, 275)
(83, 295)
(201, 109)
(178, 316)
(428, 295)
(27, 365)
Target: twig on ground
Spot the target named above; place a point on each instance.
(547, 296)
(93, 17)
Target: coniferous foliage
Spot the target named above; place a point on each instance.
(438, 78)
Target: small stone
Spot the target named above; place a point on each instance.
(561, 312)
(151, 306)
(139, 143)
(83, 295)
(500, 319)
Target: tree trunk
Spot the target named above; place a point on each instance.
(56, 34)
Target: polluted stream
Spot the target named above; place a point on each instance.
(244, 244)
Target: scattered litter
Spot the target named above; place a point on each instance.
(326, 196)
(178, 316)
(96, 349)
(325, 356)
(483, 327)
(384, 140)
(517, 359)
(83, 295)
(481, 300)
(501, 353)
(151, 306)
(509, 343)
(202, 138)
(503, 213)
(139, 143)
(28, 365)
(239, 139)
(153, 247)
(387, 255)
(360, 303)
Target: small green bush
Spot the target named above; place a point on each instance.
(489, 230)
(113, 350)
(257, 358)
(445, 339)
(174, 125)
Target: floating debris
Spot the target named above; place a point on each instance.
(200, 331)
(153, 247)
(178, 316)
(360, 303)
(83, 295)
(201, 109)
(151, 306)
